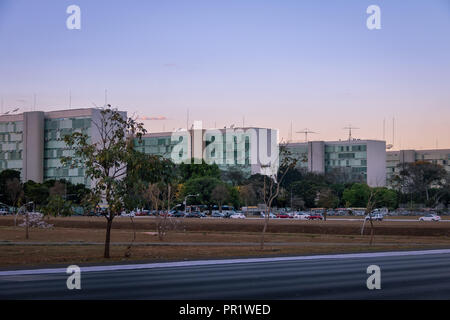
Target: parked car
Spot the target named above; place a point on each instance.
(237, 215)
(130, 214)
(195, 214)
(217, 215)
(271, 215)
(301, 216)
(283, 216)
(178, 214)
(4, 212)
(375, 216)
(315, 216)
(430, 217)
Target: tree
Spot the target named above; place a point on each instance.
(326, 199)
(57, 206)
(419, 177)
(203, 186)
(189, 171)
(247, 194)
(14, 191)
(6, 175)
(385, 197)
(35, 192)
(273, 181)
(219, 194)
(233, 175)
(107, 160)
(357, 195)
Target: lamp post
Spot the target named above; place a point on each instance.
(185, 201)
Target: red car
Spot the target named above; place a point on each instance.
(315, 216)
(283, 216)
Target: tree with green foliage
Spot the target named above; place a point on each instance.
(308, 186)
(203, 186)
(107, 160)
(357, 195)
(57, 206)
(385, 197)
(192, 170)
(38, 193)
(419, 177)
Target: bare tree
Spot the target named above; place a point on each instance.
(273, 181)
(371, 205)
(14, 192)
(248, 194)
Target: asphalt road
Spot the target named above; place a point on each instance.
(411, 275)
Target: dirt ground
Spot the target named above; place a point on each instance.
(343, 227)
(80, 240)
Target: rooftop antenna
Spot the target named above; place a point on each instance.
(290, 133)
(306, 132)
(393, 131)
(70, 99)
(187, 120)
(350, 128)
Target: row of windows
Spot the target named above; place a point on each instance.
(351, 162)
(345, 148)
(68, 123)
(14, 155)
(9, 127)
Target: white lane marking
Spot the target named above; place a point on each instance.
(227, 261)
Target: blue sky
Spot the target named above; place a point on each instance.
(310, 62)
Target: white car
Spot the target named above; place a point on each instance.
(271, 215)
(430, 217)
(375, 216)
(131, 214)
(237, 216)
(301, 216)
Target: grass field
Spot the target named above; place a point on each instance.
(80, 239)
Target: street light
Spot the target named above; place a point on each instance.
(185, 200)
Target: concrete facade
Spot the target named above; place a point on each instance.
(33, 146)
(252, 150)
(33, 143)
(436, 156)
(352, 160)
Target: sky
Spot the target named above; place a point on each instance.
(312, 64)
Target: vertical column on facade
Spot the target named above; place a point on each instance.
(33, 146)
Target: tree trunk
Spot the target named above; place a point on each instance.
(266, 218)
(371, 232)
(27, 236)
(108, 236)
